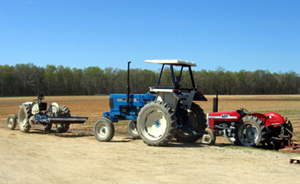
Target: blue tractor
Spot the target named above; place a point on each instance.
(165, 112)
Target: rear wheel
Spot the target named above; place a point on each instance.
(104, 130)
(23, 116)
(251, 131)
(11, 121)
(198, 121)
(156, 123)
(132, 130)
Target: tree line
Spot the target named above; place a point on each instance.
(29, 80)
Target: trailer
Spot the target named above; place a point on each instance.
(36, 112)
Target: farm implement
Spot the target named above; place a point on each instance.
(36, 112)
(270, 130)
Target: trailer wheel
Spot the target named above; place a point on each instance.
(48, 126)
(209, 138)
(11, 121)
(23, 116)
(251, 131)
(132, 130)
(104, 130)
(156, 123)
(62, 127)
(198, 120)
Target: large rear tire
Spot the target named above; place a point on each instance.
(198, 120)
(251, 131)
(104, 130)
(132, 129)
(23, 116)
(156, 123)
(11, 121)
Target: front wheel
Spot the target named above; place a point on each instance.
(132, 130)
(209, 138)
(156, 123)
(11, 121)
(251, 131)
(104, 130)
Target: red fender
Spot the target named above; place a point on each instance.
(270, 118)
(274, 119)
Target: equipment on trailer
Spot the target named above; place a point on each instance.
(249, 129)
(166, 111)
(31, 113)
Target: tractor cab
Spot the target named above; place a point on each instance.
(176, 83)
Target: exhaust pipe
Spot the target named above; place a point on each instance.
(215, 103)
(128, 86)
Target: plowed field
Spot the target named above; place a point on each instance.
(77, 157)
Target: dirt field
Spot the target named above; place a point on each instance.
(77, 157)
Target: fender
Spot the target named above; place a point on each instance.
(270, 118)
(274, 119)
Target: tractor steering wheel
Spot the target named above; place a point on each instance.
(244, 111)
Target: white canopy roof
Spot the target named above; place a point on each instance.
(172, 61)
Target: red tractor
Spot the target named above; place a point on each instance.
(243, 128)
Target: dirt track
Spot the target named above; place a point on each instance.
(77, 157)
(37, 157)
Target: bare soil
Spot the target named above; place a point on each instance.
(77, 157)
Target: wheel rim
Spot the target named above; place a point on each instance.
(102, 130)
(154, 125)
(248, 134)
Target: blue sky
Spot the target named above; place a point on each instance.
(233, 34)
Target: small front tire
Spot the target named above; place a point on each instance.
(104, 130)
(11, 121)
(132, 129)
(209, 138)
